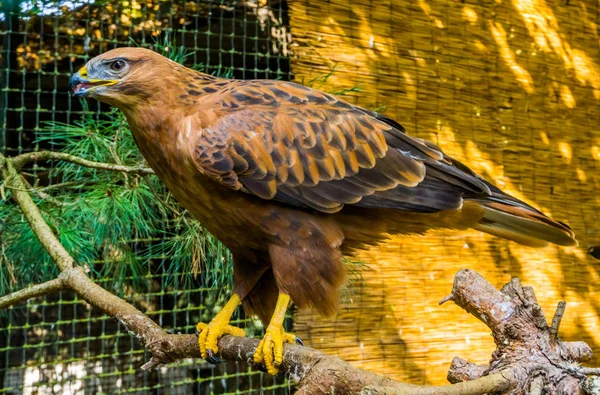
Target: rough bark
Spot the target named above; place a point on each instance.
(526, 345)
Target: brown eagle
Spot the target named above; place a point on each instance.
(290, 179)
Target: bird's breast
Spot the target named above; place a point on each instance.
(227, 214)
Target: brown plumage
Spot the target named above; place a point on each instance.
(290, 178)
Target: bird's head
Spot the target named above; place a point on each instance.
(124, 77)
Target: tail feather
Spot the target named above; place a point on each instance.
(509, 218)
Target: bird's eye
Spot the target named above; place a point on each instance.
(117, 65)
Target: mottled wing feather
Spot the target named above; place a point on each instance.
(299, 146)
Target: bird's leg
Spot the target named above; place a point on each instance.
(217, 327)
(270, 349)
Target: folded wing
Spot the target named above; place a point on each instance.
(302, 147)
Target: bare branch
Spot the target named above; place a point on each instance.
(589, 371)
(488, 384)
(446, 299)
(33, 215)
(463, 370)
(558, 315)
(524, 342)
(537, 386)
(46, 288)
(20, 160)
(581, 370)
(134, 320)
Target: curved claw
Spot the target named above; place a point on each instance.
(299, 341)
(212, 358)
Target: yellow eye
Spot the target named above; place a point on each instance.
(117, 65)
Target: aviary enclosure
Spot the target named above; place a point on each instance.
(511, 88)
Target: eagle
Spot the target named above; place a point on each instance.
(291, 179)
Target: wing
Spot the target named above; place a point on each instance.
(302, 147)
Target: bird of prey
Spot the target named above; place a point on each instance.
(290, 179)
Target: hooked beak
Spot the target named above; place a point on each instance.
(80, 85)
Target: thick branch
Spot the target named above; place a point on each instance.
(489, 384)
(46, 288)
(526, 345)
(20, 160)
(318, 373)
(463, 370)
(134, 320)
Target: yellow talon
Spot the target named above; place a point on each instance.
(219, 326)
(270, 349)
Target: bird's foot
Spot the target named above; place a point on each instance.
(209, 334)
(270, 349)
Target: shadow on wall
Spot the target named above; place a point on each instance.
(513, 90)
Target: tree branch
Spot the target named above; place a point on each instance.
(318, 373)
(33, 215)
(20, 160)
(462, 370)
(46, 288)
(558, 315)
(488, 384)
(540, 361)
(581, 370)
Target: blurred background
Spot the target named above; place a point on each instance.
(511, 88)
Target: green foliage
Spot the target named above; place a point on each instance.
(320, 83)
(23, 258)
(191, 249)
(355, 271)
(167, 46)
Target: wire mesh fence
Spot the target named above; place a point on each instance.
(59, 344)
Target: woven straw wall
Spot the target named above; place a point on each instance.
(513, 90)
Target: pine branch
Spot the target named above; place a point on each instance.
(19, 161)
